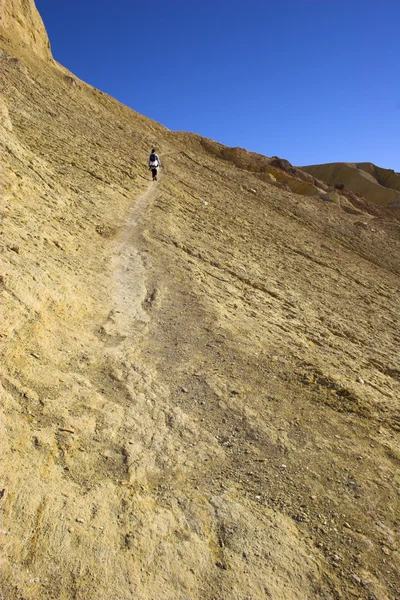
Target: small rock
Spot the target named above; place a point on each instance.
(15, 249)
(360, 380)
(205, 203)
(80, 520)
(386, 550)
(347, 525)
(71, 80)
(301, 518)
(336, 558)
(184, 390)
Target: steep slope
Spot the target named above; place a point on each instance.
(380, 186)
(200, 377)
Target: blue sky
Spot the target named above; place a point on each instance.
(311, 81)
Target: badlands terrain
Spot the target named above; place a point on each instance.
(199, 376)
(379, 186)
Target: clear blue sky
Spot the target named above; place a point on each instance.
(312, 81)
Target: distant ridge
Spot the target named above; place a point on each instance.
(378, 185)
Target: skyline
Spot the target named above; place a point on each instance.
(306, 81)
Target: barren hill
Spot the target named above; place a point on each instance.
(379, 186)
(199, 377)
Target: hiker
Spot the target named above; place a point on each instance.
(154, 163)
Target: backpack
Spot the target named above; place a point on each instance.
(153, 157)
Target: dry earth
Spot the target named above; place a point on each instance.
(200, 377)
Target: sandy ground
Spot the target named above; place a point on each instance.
(200, 376)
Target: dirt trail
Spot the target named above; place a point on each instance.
(129, 276)
(171, 459)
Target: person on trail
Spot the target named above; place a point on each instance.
(154, 163)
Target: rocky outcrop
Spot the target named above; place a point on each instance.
(278, 171)
(22, 27)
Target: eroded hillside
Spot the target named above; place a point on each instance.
(379, 186)
(200, 377)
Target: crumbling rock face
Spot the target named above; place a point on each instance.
(22, 27)
(273, 170)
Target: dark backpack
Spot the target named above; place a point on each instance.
(153, 157)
